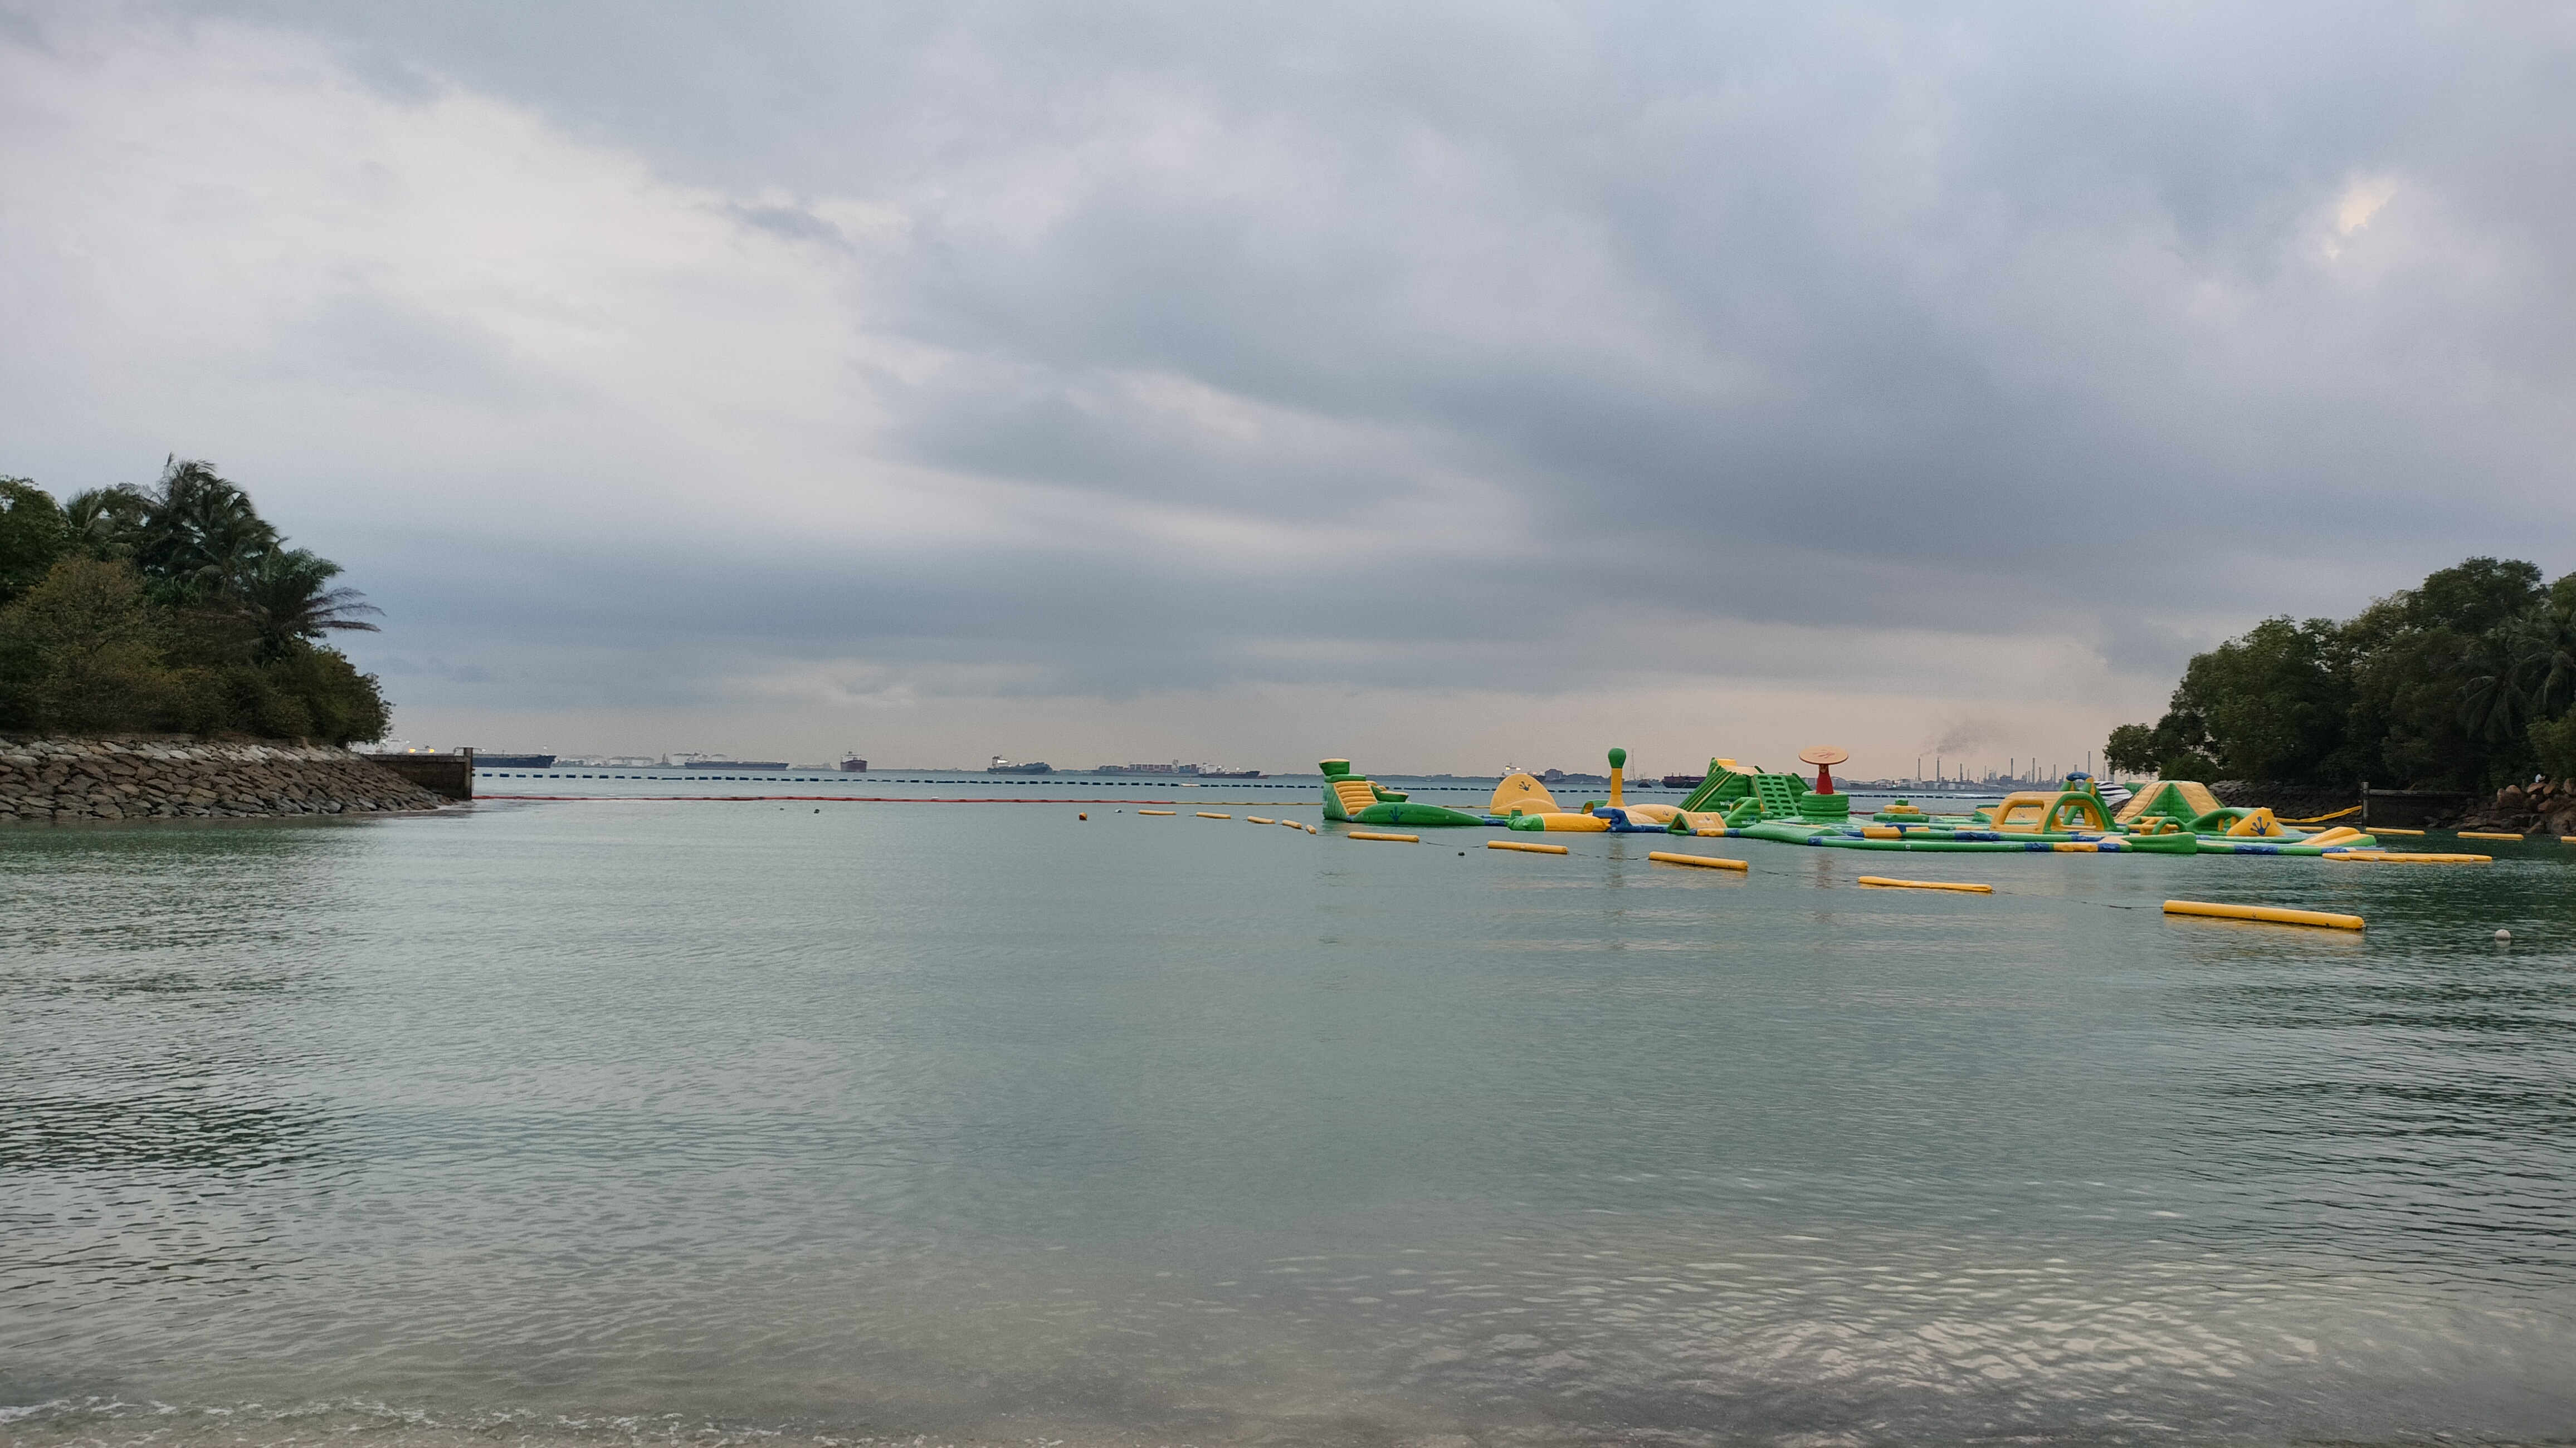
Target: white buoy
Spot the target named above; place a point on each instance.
(2504, 935)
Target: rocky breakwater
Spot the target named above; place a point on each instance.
(2542, 807)
(111, 779)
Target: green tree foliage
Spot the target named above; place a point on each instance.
(2454, 684)
(83, 651)
(199, 535)
(173, 608)
(2540, 652)
(2553, 746)
(2170, 749)
(2434, 701)
(2272, 703)
(304, 691)
(285, 598)
(31, 536)
(104, 521)
(2131, 749)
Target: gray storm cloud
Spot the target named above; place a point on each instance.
(994, 353)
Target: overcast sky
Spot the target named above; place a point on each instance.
(1439, 386)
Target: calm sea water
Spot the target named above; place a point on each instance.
(693, 1121)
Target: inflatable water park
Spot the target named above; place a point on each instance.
(1737, 800)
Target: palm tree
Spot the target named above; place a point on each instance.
(199, 532)
(2543, 647)
(106, 522)
(284, 596)
(2491, 698)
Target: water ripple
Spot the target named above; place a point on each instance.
(730, 1124)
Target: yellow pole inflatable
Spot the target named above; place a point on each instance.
(2269, 914)
(1705, 862)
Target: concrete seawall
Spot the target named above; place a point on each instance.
(450, 775)
(2408, 809)
(178, 778)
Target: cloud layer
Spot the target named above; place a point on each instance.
(1435, 386)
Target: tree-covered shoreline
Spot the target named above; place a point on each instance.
(173, 609)
(2462, 683)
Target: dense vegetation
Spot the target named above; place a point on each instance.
(2462, 683)
(173, 608)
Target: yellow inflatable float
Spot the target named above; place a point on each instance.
(1522, 803)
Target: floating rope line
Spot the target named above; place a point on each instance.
(841, 799)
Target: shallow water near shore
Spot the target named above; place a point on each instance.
(698, 1121)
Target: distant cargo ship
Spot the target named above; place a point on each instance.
(1210, 771)
(854, 765)
(513, 761)
(735, 764)
(1684, 781)
(1004, 766)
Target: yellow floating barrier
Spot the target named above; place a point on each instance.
(2395, 857)
(1525, 849)
(1258, 820)
(2268, 914)
(1203, 814)
(2567, 839)
(2384, 830)
(1926, 884)
(2486, 835)
(1705, 862)
(1310, 829)
(1157, 811)
(1373, 835)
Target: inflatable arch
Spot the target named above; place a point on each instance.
(2034, 811)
